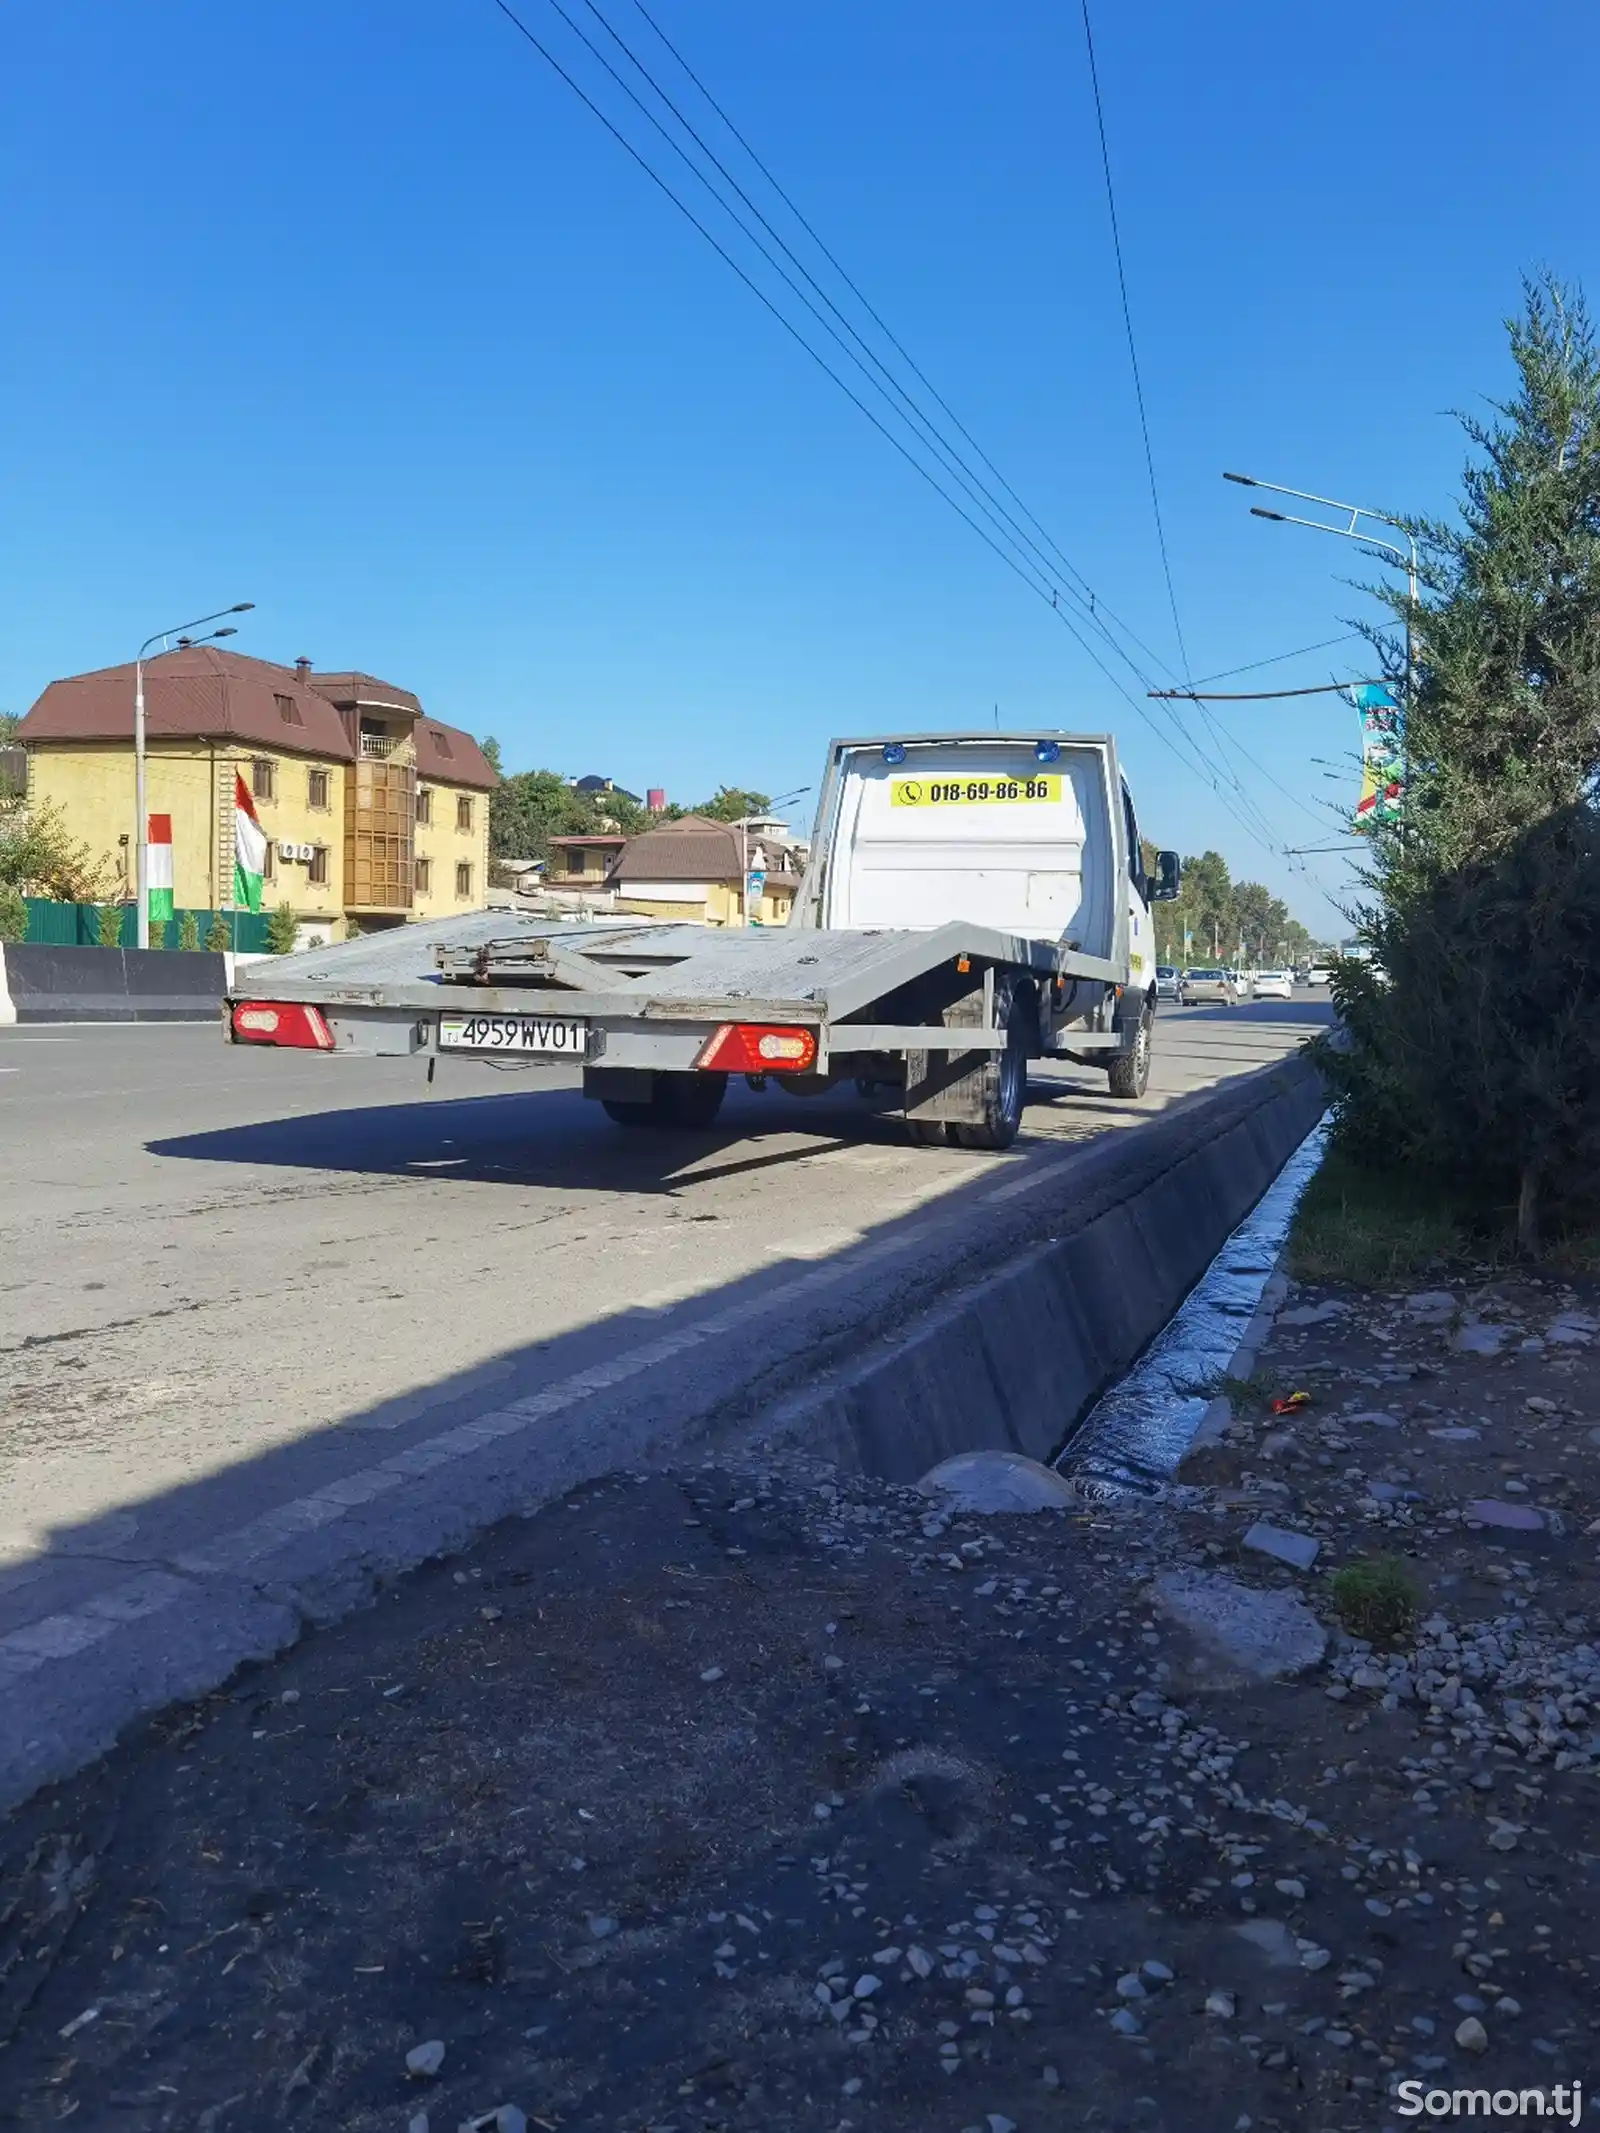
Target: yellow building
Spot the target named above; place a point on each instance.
(374, 812)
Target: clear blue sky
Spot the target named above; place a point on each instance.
(351, 309)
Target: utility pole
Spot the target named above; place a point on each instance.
(141, 848)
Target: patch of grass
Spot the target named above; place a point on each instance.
(1372, 1227)
(1246, 1396)
(1376, 1598)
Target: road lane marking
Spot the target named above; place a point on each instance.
(76, 1629)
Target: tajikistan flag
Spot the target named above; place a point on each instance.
(158, 868)
(249, 848)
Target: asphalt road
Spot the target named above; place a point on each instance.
(230, 1277)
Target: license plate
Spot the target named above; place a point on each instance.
(974, 792)
(513, 1033)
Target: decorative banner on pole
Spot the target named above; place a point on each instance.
(755, 887)
(249, 848)
(1382, 757)
(158, 869)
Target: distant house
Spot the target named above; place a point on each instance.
(697, 869)
(597, 788)
(581, 861)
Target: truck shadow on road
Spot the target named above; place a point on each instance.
(548, 1137)
(555, 1138)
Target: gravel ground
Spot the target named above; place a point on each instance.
(738, 1798)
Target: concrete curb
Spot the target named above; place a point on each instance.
(1011, 1361)
(8, 1012)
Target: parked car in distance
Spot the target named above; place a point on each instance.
(1244, 984)
(1274, 985)
(1169, 982)
(1208, 984)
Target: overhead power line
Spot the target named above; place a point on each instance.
(1133, 346)
(1279, 658)
(1265, 696)
(1003, 535)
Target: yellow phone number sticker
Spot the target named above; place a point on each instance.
(973, 792)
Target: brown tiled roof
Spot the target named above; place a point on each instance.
(590, 837)
(367, 689)
(447, 756)
(207, 694)
(691, 849)
(199, 694)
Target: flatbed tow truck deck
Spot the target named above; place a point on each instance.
(658, 1015)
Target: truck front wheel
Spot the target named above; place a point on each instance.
(1130, 1070)
(683, 1101)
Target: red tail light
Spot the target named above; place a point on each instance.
(281, 1022)
(759, 1048)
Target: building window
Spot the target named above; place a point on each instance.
(424, 805)
(262, 775)
(288, 710)
(441, 741)
(424, 876)
(463, 880)
(269, 862)
(316, 788)
(463, 813)
(318, 869)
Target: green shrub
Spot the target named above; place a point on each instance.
(13, 913)
(108, 925)
(158, 933)
(1468, 1052)
(282, 927)
(217, 940)
(1376, 1598)
(188, 931)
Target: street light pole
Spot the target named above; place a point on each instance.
(782, 800)
(1407, 556)
(141, 848)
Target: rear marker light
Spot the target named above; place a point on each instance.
(282, 1022)
(758, 1047)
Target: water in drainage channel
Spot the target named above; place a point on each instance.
(1133, 1437)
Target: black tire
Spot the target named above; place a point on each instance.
(678, 1102)
(622, 1114)
(1130, 1070)
(1005, 1081)
(928, 1132)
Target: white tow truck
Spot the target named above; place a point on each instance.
(972, 901)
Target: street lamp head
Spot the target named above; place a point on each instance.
(227, 633)
(240, 607)
(1276, 516)
(1246, 481)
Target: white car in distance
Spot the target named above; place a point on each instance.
(1274, 985)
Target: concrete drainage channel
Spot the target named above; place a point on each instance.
(1011, 1361)
(1135, 1435)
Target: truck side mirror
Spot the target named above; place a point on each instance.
(1169, 878)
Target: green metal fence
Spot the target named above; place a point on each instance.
(78, 926)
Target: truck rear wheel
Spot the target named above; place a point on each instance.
(682, 1101)
(1005, 1083)
(1130, 1070)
